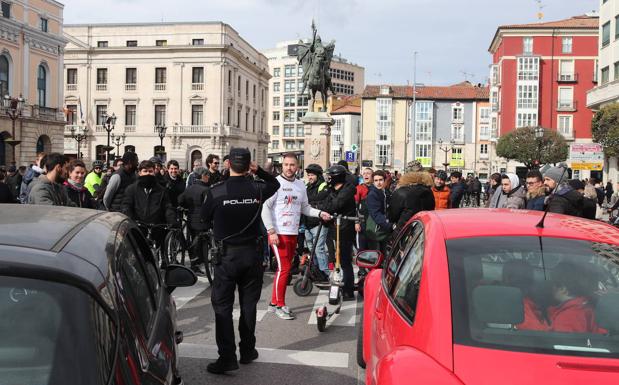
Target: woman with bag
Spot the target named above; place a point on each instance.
(377, 226)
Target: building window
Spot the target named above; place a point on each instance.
(605, 75)
(238, 85)
(483, 149)
(617, 70)
(101, 75)
(527, 45)
(300, 130)
(275, 115)
(132, 43)
(566, 47)
(71, 114)
(484, 114)
(276, 72)
(71, 76)
(300, 85)
(130, 115)
(161, 43)
(565, 125)
(383, 130)
(160, 115)
(289, 116)
(528, 68)
(457, 132)
(276, 87)
(247, 89)
(275, 144)
(566, 97)
(288, 130)
(289, 71)
(383, 154)
(424, 116)
(494, 101)
(229, 115)
(6, 9)
(606, 34)
(275, 130)
(526, 120)
(527, 96)
(303, 101)
(101, 111)
(289, 101)
(230, 79)
(289, 86)
(616, 27)
(197, 75)
(254, 92)
(42, 86)
(457, 113)
(301, 113)
(197, 41)
(44, 24)
(566, 70)
(160, 75)
(238, 118)
(131, 75)
(276, 101)
(102, 44)
(484, 132)
(289, 144)
(423, 153)
(197, 111)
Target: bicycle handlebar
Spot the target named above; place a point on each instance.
(164, 226)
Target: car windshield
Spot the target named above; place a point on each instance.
(52, 333)
(544, 295)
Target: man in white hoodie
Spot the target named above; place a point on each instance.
(281, 215)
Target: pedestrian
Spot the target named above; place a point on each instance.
(563, 198)
(316, 192)
(441, 191)
(364, 187)
(233, 210)
(173, 182)
(281, 215)
(74, 185)
(225, 173)
(413, 194)
(13, 180)
(212, 164)
(378, 227)
(458, 189)
(494, 183)
(476, 190)
(93, 179)
(32, 174)
(589, 202)
(341, 200)
(512, 195)
(191, 178)
(5, 190)
(536, 191)
(48, 190)
(192, 200)
(121, 179)
(609, 191)
(105, 180)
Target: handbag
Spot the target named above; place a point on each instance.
(374, 232)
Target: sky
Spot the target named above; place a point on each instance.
(451, 36)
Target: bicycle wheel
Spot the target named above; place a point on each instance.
(172, 246)
(209, 268)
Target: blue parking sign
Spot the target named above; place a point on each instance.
(350, 156)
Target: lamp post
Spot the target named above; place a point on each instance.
(79, 133)
(446, 150)
(161, 130)
(109, 121)
(13, 108)
(118, 141)
(539, 135)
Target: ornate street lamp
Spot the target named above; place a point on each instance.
(161, 131)
(13, 108)
(109, 121)
(446, 150)
(118, 141)
(539, 135)
(79, 133)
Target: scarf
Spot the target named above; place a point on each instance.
(75, 185)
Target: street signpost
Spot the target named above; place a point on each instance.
(350, 156)
(587, 156)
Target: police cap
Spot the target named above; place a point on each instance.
(240, 156)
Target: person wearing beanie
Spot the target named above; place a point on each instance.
(563, 198)
(441, 191)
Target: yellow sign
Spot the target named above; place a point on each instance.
(425, 162)
(587, 166)
(457, 160)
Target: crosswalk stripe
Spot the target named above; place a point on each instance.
(273, 356)
(183, 295)
(347, 316)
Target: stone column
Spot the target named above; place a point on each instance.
(317, 127)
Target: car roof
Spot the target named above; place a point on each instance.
(466, 223)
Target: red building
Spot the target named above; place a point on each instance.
(541, 74)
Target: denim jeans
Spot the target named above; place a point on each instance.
(321, 248)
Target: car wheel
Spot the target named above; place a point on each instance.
(360, 360)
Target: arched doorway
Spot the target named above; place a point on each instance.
(44, 144)
(196, 154)
(4, 148)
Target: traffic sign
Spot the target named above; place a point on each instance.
(587, 156)
(354, 147)
(350, 156)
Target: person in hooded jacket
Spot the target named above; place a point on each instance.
(441, 191)
(76, 190)
(563, 199)
(377, 209)
(413, 194)
(512, 195)
(316, 192)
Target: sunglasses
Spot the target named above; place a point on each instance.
(215, 162)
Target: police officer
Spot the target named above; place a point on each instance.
(233, 209)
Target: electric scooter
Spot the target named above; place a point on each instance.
(336, 281)
(311, 274)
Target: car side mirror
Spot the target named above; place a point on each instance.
(369, 259)
(179, 276)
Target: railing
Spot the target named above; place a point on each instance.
(484, 136)
(484, 120)
(69, 127)
(101, 87)
(197, 86)
(567, 78)
(568, 135)
(160, 86)
(130, 128)
(99, 128)
(196, 129)
(131, 87)
(71, 87)
(566, 105)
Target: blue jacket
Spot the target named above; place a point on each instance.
(376, 202)
(457, 192)
(536, 203)
(31, 174)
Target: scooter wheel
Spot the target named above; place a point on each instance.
(321, 318)
(302, 290)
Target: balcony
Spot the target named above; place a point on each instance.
(567, 135)
(99, 128)
(160, 86)
(131, 87)
(603, 94)
(69, 127)
(71, 87)
(567, 78)
(130, 128)
(566, 106)
(483, 156)
(495, 107)
(197, 86)
(101, 87)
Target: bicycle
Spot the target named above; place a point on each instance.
(160, 257)
(177, 239)
(207, 238)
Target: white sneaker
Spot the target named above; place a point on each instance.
(284, 313)
(272, 308)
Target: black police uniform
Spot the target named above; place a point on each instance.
(231, 206)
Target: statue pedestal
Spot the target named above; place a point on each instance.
(317, 127)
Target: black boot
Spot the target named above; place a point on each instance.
(222, 366)
(247, 358)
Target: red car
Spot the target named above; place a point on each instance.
(487, 297)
